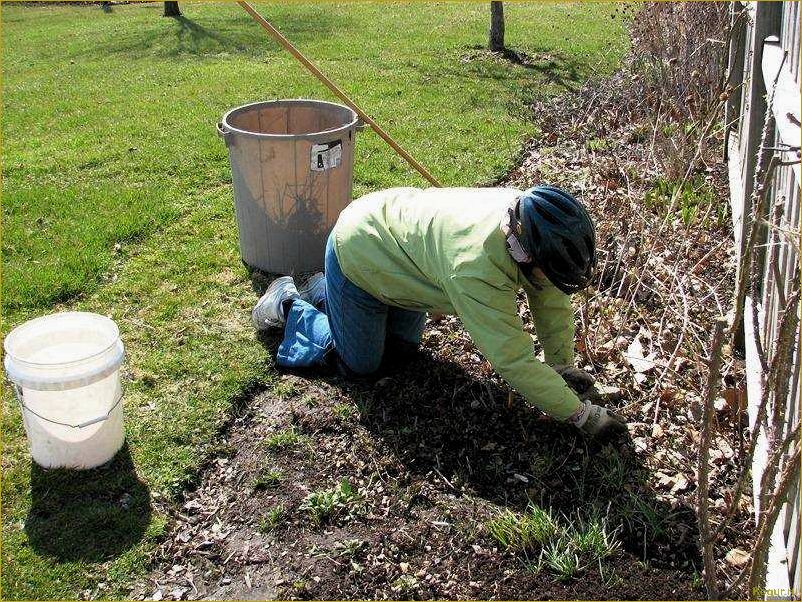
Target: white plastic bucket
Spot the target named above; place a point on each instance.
(66, 371)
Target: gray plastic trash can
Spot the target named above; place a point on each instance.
(292, 163)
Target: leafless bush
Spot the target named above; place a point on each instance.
(677, 75)
(656, 125)
(681, 49)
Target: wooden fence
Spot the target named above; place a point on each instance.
(764, 73)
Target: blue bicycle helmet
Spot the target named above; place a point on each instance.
(558, 235)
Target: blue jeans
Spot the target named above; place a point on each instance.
(347, 320)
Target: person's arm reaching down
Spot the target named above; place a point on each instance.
(554, 322)
(490, 316)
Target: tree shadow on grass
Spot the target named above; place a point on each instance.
(439, 418)
(89, 515)
(234, 32)
(555, 68)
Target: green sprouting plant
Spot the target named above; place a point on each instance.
(271, 519)
(688, 213)
(518, 533)
(597, 144)
(364, 403)
(405, 585)
(268, 478)
(594, 537)
(638, 511)
(328, 503)
(343, 411)
(561, 558)
(283, 439)
(609, 578)
(544, 463)
(310, 401)
(284, 389)
(695, 197)
(610, 469)
(301, 588)
(349, 547)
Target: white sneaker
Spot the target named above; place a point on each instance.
(313, 288)
(268, 312)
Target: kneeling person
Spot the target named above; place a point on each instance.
(396, 254)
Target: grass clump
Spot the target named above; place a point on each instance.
(640, 513)
(343, 411)
(566, 547)
(593, 537)
(268, 478)
(287, 438)
(272, 519)
(561, 558)
(523, 532)
(326, 504)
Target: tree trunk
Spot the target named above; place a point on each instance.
(171, 9)
(496, 43)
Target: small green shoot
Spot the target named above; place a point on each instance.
(609, 578)
(284, 389)
(301, 588)
(645, 513)
(598, 144)
(405, 585)
(610, 470)
(594, 538)
(310, 401)
(543, 464)
(283, 439)
(328, 503)
(343, 411)
(695, 197)
(268, 478)
(272, 519)
(349, 548)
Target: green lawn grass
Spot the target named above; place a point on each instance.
(117, 199)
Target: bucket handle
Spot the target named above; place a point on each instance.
(80, 425)
(224, 133)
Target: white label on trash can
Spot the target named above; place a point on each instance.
(325, 156)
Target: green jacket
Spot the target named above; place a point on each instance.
(442, 250)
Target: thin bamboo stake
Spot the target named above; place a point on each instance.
(277, 35)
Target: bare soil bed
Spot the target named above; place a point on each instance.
(431, 450)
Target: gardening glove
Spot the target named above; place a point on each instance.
(595, 420)
(579, 380)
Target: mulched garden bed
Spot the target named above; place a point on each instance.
(410, 467)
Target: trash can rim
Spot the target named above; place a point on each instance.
(294, 101)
